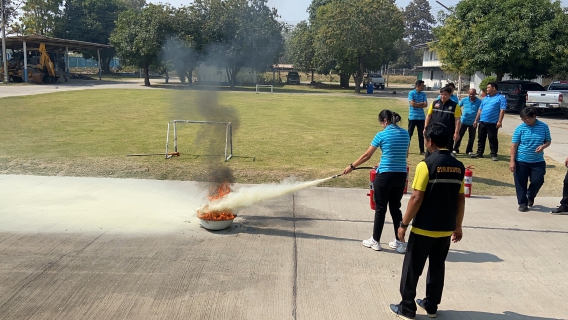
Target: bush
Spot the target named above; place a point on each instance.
(483, 84)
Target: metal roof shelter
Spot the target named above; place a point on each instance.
(32, 42)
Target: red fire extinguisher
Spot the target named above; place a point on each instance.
(371, 193)
(468, 181)
(406, 185)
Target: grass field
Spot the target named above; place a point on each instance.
(309, 136)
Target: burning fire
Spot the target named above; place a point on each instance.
(216, 193)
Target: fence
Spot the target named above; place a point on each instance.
(80, 62)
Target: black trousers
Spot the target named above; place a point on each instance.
(471, 138)
(389, 188)
(524, 171)
(418, 249)
(564, 201)
(487, 130)
(419, 125)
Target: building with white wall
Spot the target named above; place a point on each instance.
(434, 77)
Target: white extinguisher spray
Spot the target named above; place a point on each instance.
(468, 181)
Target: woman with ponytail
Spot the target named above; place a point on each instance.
(391, 176)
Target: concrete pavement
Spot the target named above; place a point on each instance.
(93, 248)
(73, 85)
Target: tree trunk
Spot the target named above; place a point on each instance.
(232, 75)
(106, 64)
(500, 76)
(190, 75)
(147, 75)
(358, 77)
(181, 75)
(344, 80)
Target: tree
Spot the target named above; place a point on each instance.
(140, 36)
(314, 6)
(301, 47)
(185, 48)
(404, 55)
(92, 21)
(134, 5)
(522, 38)
(242, 33)
(10, 11)
(418, 22)
(40, 17)
(358, 35)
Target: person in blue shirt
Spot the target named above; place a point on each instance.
(417, 102)
(391, 174)
(490, 119)
(453, 97)
(527, 157)
(469, 107)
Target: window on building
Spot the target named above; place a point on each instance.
(432, 75)
(431, 55)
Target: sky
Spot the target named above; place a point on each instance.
(294, 11)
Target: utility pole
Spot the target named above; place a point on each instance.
(4, 43)
(443, 6)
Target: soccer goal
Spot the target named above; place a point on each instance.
(228, 135)
(258, 86)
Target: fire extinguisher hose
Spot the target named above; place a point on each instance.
(358, 168)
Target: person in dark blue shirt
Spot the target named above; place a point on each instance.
(469, 106)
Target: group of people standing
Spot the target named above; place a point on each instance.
(485, 116)
(463, 116)
(437, 204)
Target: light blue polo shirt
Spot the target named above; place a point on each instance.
(491, 107)
(393, 142)
(416, 113)
(529, 138)
(469, 110)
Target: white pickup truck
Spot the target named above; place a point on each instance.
(377, 80)
(555, 97)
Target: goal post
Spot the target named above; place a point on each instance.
(258, 86)
(228, 135)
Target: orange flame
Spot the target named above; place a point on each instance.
(216, 193)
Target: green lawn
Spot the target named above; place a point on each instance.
(309, 136)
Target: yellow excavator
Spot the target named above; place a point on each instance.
(42, 72)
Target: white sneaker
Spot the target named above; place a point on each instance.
(399, 246)
(371, 243)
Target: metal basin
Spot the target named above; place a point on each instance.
(216, 224)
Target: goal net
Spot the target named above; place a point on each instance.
(199, 147)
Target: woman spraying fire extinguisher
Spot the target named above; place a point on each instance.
(390, 180)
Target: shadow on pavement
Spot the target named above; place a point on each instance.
(470, 256)
(492, 182)
(474, 315)
(539, 208)
(516, 229)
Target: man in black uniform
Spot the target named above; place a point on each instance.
(436, 209)
(448, 112)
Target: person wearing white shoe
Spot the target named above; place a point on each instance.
(436, 209)
(399, 246)
(391, 173)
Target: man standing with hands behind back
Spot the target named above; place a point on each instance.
(436, 210)
(490, 119)
(417, 102)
